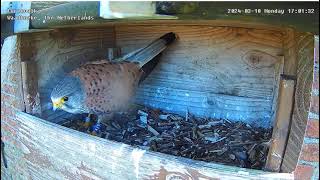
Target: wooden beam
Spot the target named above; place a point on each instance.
(281, 127)
(278, 72)
(290, 52)
(8, 53)
(30, 87)
(29, 75)
(283, 105)
(50, 151)
(188, 22)
(27, 49)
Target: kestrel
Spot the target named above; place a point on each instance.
(103, 87)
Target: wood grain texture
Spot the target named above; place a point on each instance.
(62, 50)
(305, 64)
(30, 88)
(49, 151)
(281, 127)
(10, 64)
(290, 52)
(219, 72)
(279, 69)
(9, 52)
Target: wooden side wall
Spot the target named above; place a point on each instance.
(221, 72)
(305, 65)
(308, 163)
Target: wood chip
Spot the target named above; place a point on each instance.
(164, 117)
(153, 131)
(204, 139)
(142, 113)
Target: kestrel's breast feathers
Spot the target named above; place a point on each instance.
(108, 86)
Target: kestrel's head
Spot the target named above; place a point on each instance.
(69, 95)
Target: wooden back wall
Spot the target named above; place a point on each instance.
(220, 72)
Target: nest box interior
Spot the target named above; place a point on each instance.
(217, 72)
(220, 72)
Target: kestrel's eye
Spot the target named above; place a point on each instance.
(65, 98)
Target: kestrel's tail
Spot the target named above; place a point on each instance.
(149, 56)
(146, 54)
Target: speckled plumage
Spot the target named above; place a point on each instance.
(108, 86)
(103, 87)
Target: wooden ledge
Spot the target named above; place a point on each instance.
(50, 150)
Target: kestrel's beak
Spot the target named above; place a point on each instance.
(57, 104)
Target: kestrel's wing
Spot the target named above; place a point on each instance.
(143, 55)
(108, 86)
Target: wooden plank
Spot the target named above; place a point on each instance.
(290, 52)
(8, 52)
(278, 72)
(50, 151)
(11, 69)
(282, 122)
(26, 48)
(30, 87)
(29, 77)
(203, 71)
(189, 22)
(305, 45)
(11, 98)
(201, 22)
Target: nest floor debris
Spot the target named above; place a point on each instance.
(203, 139)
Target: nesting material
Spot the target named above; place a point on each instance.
(210, 140)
